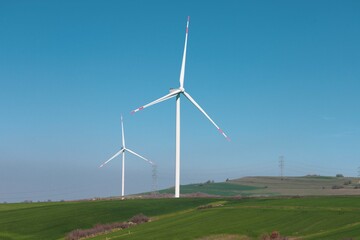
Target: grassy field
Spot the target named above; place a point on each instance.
(304, 218)
(300, 186)
(218, 189)
(276, 186)
(54, 220)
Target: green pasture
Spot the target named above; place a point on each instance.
(218, 189)
(304, 218)
(54, 220)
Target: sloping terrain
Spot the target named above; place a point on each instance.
(54, 220)
(189, 218)
(300, 186)
(301, 215)
(299, 218)
(275, 186)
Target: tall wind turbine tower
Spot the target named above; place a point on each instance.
(122, 151)
(177, 92)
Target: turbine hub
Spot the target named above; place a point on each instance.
(171, 90)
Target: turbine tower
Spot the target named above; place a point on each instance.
(177, 92)
(122, 151)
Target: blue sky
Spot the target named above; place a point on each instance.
(279, 77)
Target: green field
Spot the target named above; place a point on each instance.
(217, 189)
(53, 220)
(276, 186)
(304, 218)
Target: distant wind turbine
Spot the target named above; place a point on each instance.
(177, 93)
(122, 151)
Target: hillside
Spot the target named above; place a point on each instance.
(317, 218)
(308, 218)
(54, 220)
(224, 217)
(276, 186)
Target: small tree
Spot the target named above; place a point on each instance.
(339, 175)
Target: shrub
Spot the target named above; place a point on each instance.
(204, 206)
(337, 187)
(140, 218)
(275, 235)
(103, 228)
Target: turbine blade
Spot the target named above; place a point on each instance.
(166, 97)
(202, 110)
(116, 154)
(122, 131)
(140, 156)
(182, 71)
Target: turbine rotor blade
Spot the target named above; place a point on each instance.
(182, 71)
(122, 131)
(206, 115)
(138, 155)
(166, 97)
(116, 154)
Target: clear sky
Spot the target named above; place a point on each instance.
(279, 77)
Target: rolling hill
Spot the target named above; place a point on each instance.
(326, 217)
(276, 186)
(246, 208)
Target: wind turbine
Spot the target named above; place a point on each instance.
(122, 151)
(177, 92)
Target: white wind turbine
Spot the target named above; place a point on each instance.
(122, 151)
(177, 93)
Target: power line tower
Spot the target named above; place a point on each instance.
(154, 178)
(281, 166)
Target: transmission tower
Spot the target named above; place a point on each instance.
(281, 166)
(154, 178)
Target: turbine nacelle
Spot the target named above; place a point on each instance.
(176, 90)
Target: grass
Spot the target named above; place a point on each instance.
(326, 217)
(276, 186)
(54, 220)
(302, 186)
(305, 218)
(219, 189)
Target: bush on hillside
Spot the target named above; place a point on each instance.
(104, 228)
(140, 218)
(275, 235)
(204, 206)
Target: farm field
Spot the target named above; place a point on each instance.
(329, 217)
(54, 220)
(276, 186)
